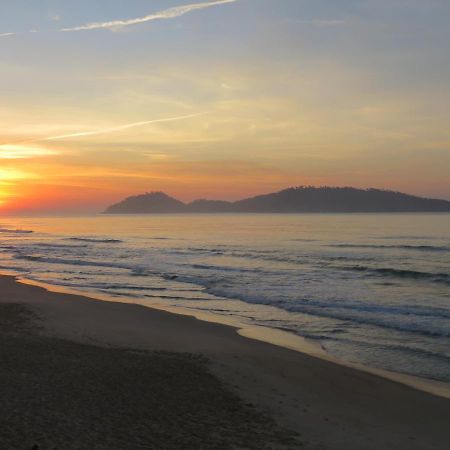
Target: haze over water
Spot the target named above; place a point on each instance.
(369, 288)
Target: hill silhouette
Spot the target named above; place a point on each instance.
(304, 199)
(154, 202)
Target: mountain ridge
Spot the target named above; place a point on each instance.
(302, 199)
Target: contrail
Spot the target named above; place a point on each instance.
(170, 13)
(165, 14)
(113, 129)
(15, 146)
(17, 33)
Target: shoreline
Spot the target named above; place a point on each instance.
(58, 393)
(331, 405)
(272, 336)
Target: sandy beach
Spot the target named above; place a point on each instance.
(80, 373)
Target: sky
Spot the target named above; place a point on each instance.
(220, 99)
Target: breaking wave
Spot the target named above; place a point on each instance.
(403, 273)
(425, 248)
(15, 231)
(94, 240)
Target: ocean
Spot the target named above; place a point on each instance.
(372, 289)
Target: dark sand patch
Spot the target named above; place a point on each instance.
(60, 394)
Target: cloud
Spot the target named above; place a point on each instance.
(170, 13)
(17, 33)
(7, 175)
(118, 128)
(11, 151)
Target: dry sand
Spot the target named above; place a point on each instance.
(70, 383)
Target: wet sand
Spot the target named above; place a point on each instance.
(71, 381)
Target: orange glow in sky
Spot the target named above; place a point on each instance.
(221, 101)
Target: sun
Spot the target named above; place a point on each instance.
(8, 183)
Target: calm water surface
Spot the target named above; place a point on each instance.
(372, 289)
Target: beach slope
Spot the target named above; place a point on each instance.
(83, 373)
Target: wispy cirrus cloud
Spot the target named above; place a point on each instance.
(170, 13)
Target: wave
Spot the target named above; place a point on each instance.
(406, 237)
(388, 311)
(394, 318)
(14, 268)
(430, 248)
(228, 269)
(256, 255)
(302, 240)
(192, 251)
(140, 272)
(130, 287)
(135, 271)
(74, 262)
(15, 231)
(95, 240)
(175, 297)
(403, 273)
(89, 284)
(50, 246)
(401, 326)
(389, 347)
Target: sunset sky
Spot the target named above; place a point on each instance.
(220, 99)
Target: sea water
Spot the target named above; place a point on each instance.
(372, 289)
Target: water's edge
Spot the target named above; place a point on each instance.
(272, 336)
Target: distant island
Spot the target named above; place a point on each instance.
(303, 199)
